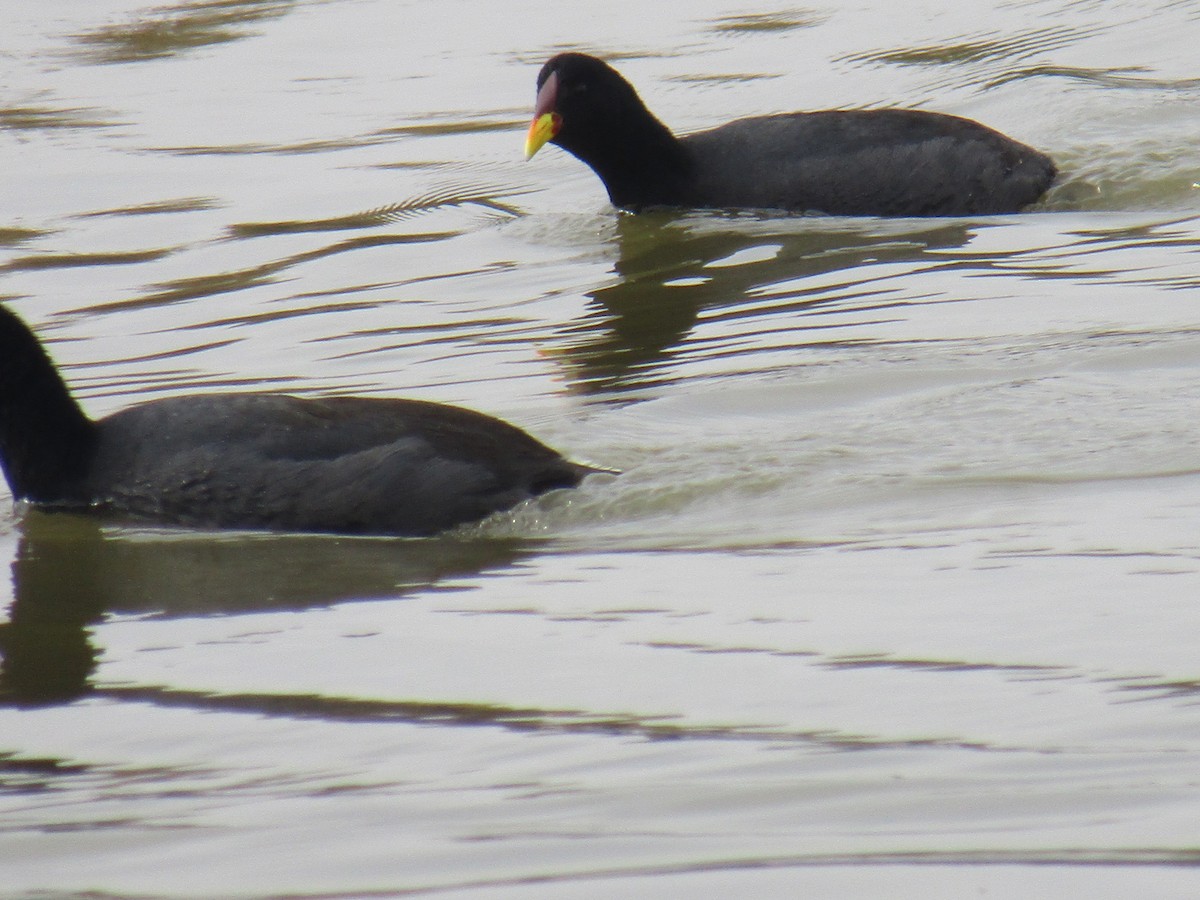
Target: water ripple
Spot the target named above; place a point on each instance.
(1119, 78)
(166, 31)
(754, 23)
(437, 198)
(542, 721)
(43, 118)
(974, 48)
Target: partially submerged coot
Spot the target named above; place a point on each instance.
(886, 162)
(349, 465)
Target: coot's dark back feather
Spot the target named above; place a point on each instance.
(265, 461)
(858, 162)
(906, 163)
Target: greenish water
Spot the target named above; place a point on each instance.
(895, 597)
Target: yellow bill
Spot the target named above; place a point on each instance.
(541, 130)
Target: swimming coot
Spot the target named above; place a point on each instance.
(886, 162)
(350, 465)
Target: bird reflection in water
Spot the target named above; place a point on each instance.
(71, 571)
(672, 267)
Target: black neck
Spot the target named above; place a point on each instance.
(45, 439)
(640, 161)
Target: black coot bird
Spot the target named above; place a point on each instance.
(885, 162)
(350, 465)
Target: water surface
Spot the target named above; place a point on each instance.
(895, 597)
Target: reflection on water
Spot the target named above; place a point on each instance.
(11, 237)
(950, 55)
(41, 118)
(83, 260)
(671, 268)
(70, 571)
(166, 31)
(902, 573)
(264, 273)
(485, 197)
(751, 23)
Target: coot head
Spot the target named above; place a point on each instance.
(581, 102)
(588, 109)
